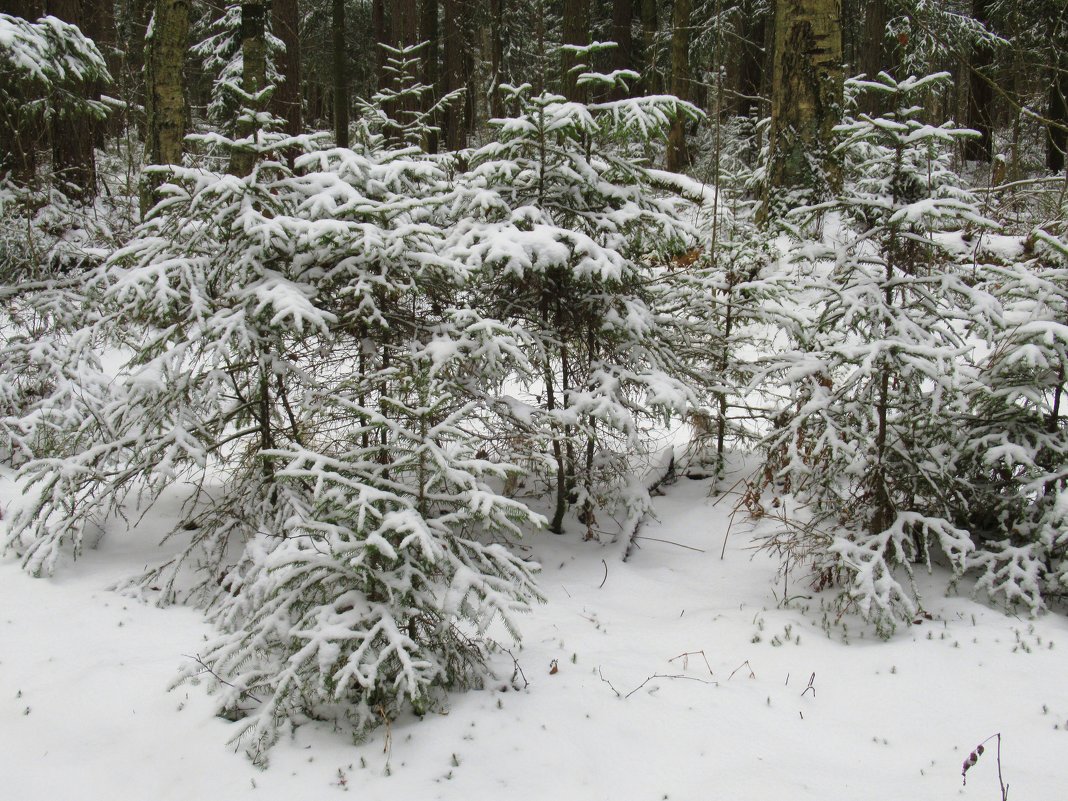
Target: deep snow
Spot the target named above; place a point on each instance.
(85, 713)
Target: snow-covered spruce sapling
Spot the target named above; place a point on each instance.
(1014, 445)
(878, 372)
(297, 355)
(555, 218)
(47, 68)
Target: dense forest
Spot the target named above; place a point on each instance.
(383, 286)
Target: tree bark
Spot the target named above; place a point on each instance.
(875, 54)
(165, 49)
(341, 75)
(453, 77)
(622, 35)
(73, 137)
(253, 75)
(429, 36)
(20, 133)
(286, 101)
(576, 31)
(650, 76)
(678, 158)
(1057, 110)
(806, 98)
(751, 65)
(497, 11)
(980, 93)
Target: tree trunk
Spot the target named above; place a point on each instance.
(623, 58)
(20, 131)
(980, 93)
(380, 34)
(253, 76)
(453, 77)
(875, 54)
(341, 75)
(650, 76)
(99, 25)
(806, 99)
(678, 158)
(428, 34)
(1057, 111)
(73, 137)
(497, 11)
(165, 49)
(576, 31)
(751, 66)
(286, 101)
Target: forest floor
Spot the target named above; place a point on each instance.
(678, 675)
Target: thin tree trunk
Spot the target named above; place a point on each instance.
(253, 75)
(73, 138)
(341, 76)
(678, 158)
(980, 93)
(428, 35)
(453, 77)
(286, 101)
(497, 11)
(650, 75)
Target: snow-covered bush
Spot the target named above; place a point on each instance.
(1015, 445)
(560, 219)
(294, 352)
(879, 371)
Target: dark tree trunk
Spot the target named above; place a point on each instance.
(428, 34)
(380, 32)
(1057, 111)
(253, 74)
(73, 137)
(980, 93)
(341, 76)
(678, 158)
(453, 77)
(21, 133)
(286, 101)
(497, 10)
(576, 31)
(752, 59)
(874, 54)
(650, 75)
(99, 25)
(622, 35)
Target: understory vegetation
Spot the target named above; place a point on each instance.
(370, 370)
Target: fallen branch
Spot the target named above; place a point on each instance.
(603, 562)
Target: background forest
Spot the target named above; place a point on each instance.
(382, 287)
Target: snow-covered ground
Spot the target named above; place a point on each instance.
(770, 703)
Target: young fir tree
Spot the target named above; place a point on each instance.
(296, 355)
(1015, 445)
(879, 372)
(558, 217)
